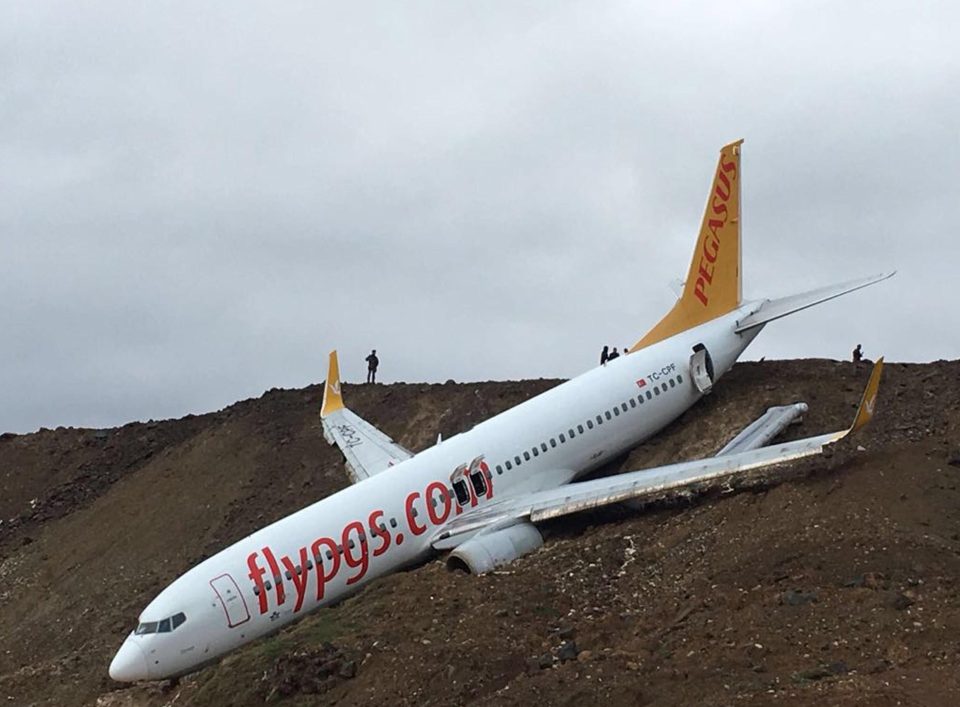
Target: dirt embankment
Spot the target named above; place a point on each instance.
(840, 585)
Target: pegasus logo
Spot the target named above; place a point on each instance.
(334, 387)
(711, 242)
(871, 401)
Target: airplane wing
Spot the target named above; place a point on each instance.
(648, 484)
(366, 450)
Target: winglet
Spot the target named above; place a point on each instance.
(869, 399)
(332, 400)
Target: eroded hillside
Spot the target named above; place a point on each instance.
(839, 584)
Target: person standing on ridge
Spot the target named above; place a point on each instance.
(372, 363)
(857, 354)
(604, 355)
(613, 354)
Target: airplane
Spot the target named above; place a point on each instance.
(482, 493)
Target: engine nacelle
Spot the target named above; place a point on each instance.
(487, 551)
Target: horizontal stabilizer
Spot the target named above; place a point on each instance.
(777, 308)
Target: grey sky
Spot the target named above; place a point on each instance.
(199, 200)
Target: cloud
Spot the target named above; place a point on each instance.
(198, 202)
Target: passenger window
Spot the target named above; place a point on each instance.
(268, 585)
(526, 456)
(590, 424)
(393, 522)
(309, 565)
(616, 411)
(609, 416)
(256, 590)
(640, 398)
(656, 391)
(623, 406)
(164, 626)
(499, 471)
(679, 378)
(599, 420)
(535, 452)
(543, 446)
(517, 460)
(579, 429)
(649, 395)
(633, 403)
(508, 465)
(329, 557)
(673, 383)
(289, 576)
(178, 619)
(664, 387)
(562, 439)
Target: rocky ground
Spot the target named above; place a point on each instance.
(838, 585)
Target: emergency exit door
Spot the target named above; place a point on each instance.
(701, 369)
(230, 598)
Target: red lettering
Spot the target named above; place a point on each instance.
(706, 274)
(362, 561)
(715, 224)
(256, 574)
(720, 209)
(711, 255)
(277, 579)
(698, 291)
(730, 166)
(380, 532)
(436, 517)
(412, 523)
(334, 560)
(299, 579)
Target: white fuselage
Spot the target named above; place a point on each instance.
(320, 553)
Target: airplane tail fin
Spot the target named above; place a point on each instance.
(712, 287)
(332, 400)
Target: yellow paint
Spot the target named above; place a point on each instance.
(332, 400)
(712, 287)
(869, 400)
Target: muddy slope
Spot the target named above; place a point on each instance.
(838, 585)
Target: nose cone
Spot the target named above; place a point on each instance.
(129, 664)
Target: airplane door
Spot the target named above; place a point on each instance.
(230, 598)
(701, 369)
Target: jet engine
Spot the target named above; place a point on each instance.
(486, 551)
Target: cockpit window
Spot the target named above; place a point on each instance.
(165, 626)
(146, 627)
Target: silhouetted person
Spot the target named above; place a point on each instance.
(604, 355)
(857, 354)
(613, 354)
(372, 363)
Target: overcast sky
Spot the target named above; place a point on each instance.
(199, 200)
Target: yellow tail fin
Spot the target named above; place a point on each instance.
(712, 287)
(332, 400)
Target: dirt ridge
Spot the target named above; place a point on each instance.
(840, 585)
